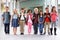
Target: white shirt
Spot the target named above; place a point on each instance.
(29, 20)
(22, 16)
(15, 16)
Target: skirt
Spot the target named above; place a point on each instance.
(15, 23)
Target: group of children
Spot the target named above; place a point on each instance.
(38, 19)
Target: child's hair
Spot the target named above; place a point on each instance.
(46, 8)
(42, 12)
(35, 9)
(22, 8)
(29, 11)
(15, 10)
(53, 8)
(6, 7)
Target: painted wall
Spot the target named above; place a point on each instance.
(32, 3)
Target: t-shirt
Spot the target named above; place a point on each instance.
(15, 16)
(6, 16)
(53, 16)
(22, 16)
(47, 17)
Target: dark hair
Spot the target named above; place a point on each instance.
(40, 14)
(7, 7)
(29, 10)
(41, 11)
(53, 8)
(46, 8)
(22, 8)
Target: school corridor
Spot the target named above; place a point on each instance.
(27, 36)
(28, 4)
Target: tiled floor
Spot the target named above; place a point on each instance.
(26, 36)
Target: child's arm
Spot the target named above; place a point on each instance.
(38, 19)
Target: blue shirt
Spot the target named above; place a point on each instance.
(41, 19)
(6, 16)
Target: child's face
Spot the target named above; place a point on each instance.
(7, 9)
(22, 11)
(15, 11)
(29, 12)
(36, 11)
(41, 13)
(54, 9)
(47, 10)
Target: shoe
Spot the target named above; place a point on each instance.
(41, 34)
(55, 31)
(48, 33)
(22, 33)
(51, 31)
(44, 33)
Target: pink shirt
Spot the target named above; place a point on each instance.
(53, 16)
(29, 18)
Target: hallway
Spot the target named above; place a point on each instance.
(26, 36)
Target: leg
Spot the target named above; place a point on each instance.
(5, 29)
(23, 24)
(55, 28)
(21, 27)
(8, 28)
(41, 28)
(45, 28)
(28, 28)
(35, 28)
(14, 30)
(49, 28)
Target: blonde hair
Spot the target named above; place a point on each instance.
(15, 11)
(35, 9)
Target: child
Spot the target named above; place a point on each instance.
(47, 21)
(29, 20)
(35, 21)
(53, 20)
(15, 21)
(41, 22)
(6, 19)
(22, 21)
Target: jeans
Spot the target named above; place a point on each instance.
(53, 24)
(35, 28)
(41, 26)
(7, 28)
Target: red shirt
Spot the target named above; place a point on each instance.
(53, 16)
(47, 19)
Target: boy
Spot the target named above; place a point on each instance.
(47, 20)
(6, 19)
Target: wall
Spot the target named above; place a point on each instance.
(32, 3)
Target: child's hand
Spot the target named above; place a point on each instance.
(33, 17)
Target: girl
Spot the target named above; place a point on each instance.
(15, 21)
(41, 22)
(29, 20)
(53, 20)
